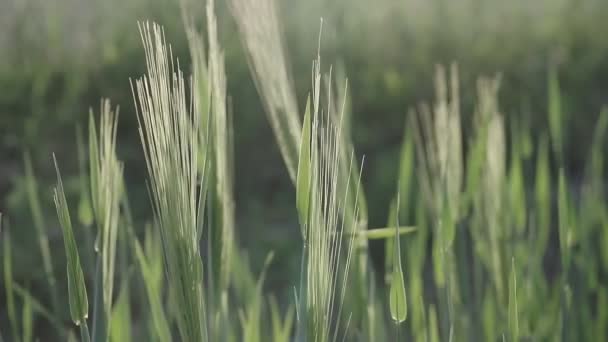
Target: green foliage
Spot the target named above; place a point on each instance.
(281, 328)
(303, 189)
(120, 326)
(556, 121)
(79, 305)
(8, 280)
(482, 203)
(151, 268)
(513, 314)
(169, 134)
(397, 296)
(41, 230)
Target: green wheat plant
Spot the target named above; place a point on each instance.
(320, 203)
(485, 239)
(169, 133)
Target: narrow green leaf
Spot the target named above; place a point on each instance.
(27, 320)
(513, 315)
(8, 281)
(93, 165)
(281, 327)
(121, 317)
(79, 305)
(389, 245)
(41, 229)
(406, 169)
(601, 328)
(397, 297)
(564, 224)
(438, 266)
(543, 196)
(385, 233)
(85, 210)
(517, 195)
(433, 325)
(555, 114)
(37, 307)
(489, 320)
(303, 176)
(150, 266)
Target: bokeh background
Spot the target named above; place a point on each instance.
(58, 58)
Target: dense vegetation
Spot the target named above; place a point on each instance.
(460, 219)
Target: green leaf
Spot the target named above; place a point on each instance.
(8, 280)
(85, 212)
(543, 196)
(38, 308)
(438, 267)
(555, 114)
(41, 229)
(121, 318)
(513, 318)
(281, 325)
(150, 265)
(397, 297)
(488, 317)
(303, 177)
(385, 233)
(406, 169)
(93, 164)
(564, 229)
(27, 320)
(433, 325)
(517, 194)
(79, 305)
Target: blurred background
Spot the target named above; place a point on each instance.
(58, 58)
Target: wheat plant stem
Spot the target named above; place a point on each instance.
(84, 332)
(302, 322)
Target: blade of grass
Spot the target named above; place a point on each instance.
(150, 265)
(303, 190)
(8, 280)
(27, 320)
(121, 317)
(556, 116)
(37, 307)
(385, 233)
(513, 321)
(397, 295)
(41, 230)
(77, 293)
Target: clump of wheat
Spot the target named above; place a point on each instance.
(169, 130)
